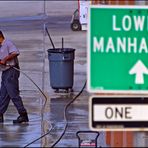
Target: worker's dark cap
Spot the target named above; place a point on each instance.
(1, 33)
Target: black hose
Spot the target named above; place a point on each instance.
(65, 117)
(65, 113)
(42, 110)
(39, 138)
(35, 85)
(65, 109)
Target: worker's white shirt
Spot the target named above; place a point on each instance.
(6, 48)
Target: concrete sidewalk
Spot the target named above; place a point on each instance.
(33, 42)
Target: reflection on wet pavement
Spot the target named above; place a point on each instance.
(53, 117)
(18, 135)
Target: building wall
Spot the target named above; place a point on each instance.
(121, 2)
(114, 2)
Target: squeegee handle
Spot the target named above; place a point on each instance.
(50, 37)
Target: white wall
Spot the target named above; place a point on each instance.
(21, 8)
(32, 8)
(140, 2)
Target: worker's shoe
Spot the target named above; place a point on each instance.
(23, 118)
(1, 118)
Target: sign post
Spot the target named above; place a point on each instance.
(118, 49)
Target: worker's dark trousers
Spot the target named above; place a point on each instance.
(10, 90)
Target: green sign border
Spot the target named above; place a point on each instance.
(88, 50)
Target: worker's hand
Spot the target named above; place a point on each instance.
(2, 62)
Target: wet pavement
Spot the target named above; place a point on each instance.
(48, 119)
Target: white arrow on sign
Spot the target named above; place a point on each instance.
(139, 69)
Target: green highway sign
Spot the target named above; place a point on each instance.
(118, 49)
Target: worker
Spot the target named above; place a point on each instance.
(10, 80)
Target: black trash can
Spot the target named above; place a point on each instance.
(61, 68)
